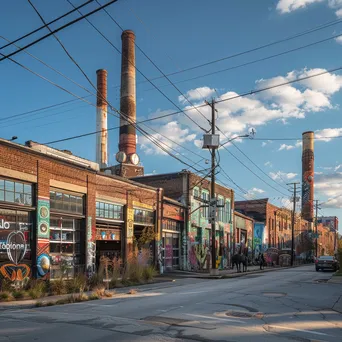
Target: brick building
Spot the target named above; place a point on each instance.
(243, 234)
(58, 210)
(273, 226)
(193, 192)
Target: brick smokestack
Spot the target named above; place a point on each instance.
(308, 176)
(127, 140)
(101, 119)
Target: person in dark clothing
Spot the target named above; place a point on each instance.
(262, 261)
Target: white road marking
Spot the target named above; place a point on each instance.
(186, 293)
(216, 318)
(301, 330)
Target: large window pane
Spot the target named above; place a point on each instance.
(2, 184)
(2, 195)
(108, 210)
(19, 187)
(28, 188)
(9, 196)
(9, 186)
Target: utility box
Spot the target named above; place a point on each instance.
(211, 141)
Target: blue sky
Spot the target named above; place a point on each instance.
(178, 35)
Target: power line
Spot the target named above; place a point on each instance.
(61, 44)
(254, 61)
(257, 166)
(49, 23)
(57, 30)
(137, 69)
(203, 105)
(296, 139)
(248, 168)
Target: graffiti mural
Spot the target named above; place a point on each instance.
(43, 234)
(259, 232)
(91, 248)
(15, 249)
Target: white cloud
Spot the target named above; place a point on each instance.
(173, 131)
(330, 186)
(268, 164)
(282, 176)
(254, 192)
(238, 115)
(197, 94)
(327, 134)
(285, 147)
(339, 39)
(287, 6)
(290, 147)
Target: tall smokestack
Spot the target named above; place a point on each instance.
(127, 142)
(101, 119)
(308, 176)
(127, 157)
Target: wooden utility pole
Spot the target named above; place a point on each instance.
(293, 218)
(316, 229)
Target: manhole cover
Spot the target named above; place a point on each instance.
(239, 314)
(321, 280)
(274, 294)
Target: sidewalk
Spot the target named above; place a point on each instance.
(223, 274)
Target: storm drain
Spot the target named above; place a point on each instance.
(274, 294)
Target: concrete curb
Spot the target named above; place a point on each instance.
(31, 303)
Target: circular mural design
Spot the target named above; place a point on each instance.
(43, 264)
(44, 212)
(43, 228)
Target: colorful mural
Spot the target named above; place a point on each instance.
(43, 234)
(91, 248)
(259, 231)
(15, 249)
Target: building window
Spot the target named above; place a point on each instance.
(15, 192)
(65, 246)
(205, 200)
(109, 211)
(196, 193)
(172, 225)
(228, 212)
(220, 209)
(61, 201)
(143, 216)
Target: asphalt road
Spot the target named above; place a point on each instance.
(287, 305)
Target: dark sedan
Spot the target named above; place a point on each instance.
(327, 263)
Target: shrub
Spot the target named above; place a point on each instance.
(37, 289)
(58, 287)
(94, 296)
(149, 273)
(77, 284)
(5, 296)
(6, 285)
(18, 294)
(100, 291)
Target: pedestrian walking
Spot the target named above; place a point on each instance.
(262, 261)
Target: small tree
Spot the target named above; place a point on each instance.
(148, 235)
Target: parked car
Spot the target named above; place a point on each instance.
(327, 262)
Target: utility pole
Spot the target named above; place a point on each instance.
(211, 141)
(316, 223)
(293, 218)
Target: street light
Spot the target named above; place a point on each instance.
(251, 135)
